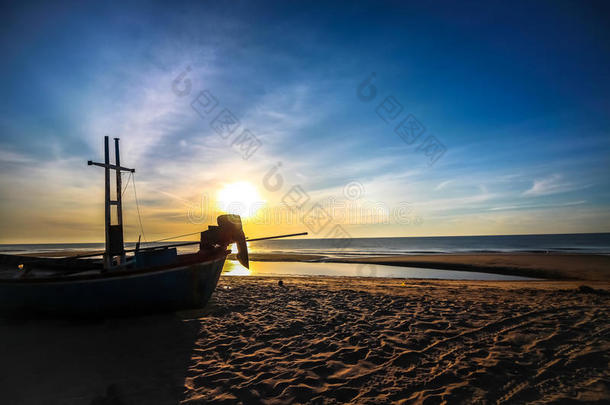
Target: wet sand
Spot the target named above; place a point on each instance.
(328, 340)
(554, 266)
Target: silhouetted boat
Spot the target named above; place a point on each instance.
(184, 281)
(149, 279)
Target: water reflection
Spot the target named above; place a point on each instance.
(233, 268)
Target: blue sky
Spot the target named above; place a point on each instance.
(516, 92)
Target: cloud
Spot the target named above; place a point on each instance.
(534, 206)
(551, 185)
(13, 157)
(442, 185)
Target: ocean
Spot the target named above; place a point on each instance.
(597, 243)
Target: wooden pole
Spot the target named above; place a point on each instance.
(113, 167)
(178, 244)
(107, 258)
(119, 190)
(277, 237)
(113, 236)
(138, 248)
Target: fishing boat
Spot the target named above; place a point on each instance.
(122, 281)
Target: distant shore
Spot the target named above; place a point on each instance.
(554, 266)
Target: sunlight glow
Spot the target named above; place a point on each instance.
(241, 198)
(233, 268)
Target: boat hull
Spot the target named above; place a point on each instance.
(187, 286)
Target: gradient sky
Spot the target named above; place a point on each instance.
(517, 92)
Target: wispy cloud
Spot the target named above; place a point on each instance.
(552, 185)
(534, 206)
(442, 185)
(7, 156)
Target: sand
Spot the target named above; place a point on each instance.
(327, 340)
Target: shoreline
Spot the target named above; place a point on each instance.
(549, 266)
(552, 266)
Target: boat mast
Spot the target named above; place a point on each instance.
(119, 192)
(114, 246)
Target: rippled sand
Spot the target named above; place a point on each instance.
(374, 341)
(328, 340)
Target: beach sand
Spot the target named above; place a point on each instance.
(327, 340)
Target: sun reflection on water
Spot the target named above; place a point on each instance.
(234, 268)
(282, 269)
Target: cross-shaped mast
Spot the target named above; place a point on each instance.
(114, 233)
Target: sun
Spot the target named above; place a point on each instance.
(241, 198)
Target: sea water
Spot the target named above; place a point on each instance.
(594, 243)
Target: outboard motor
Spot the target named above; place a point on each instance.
(228, 231)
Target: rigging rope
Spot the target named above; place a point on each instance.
(126, 184)
(132, 176)
(135, 194)
(175, 237)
